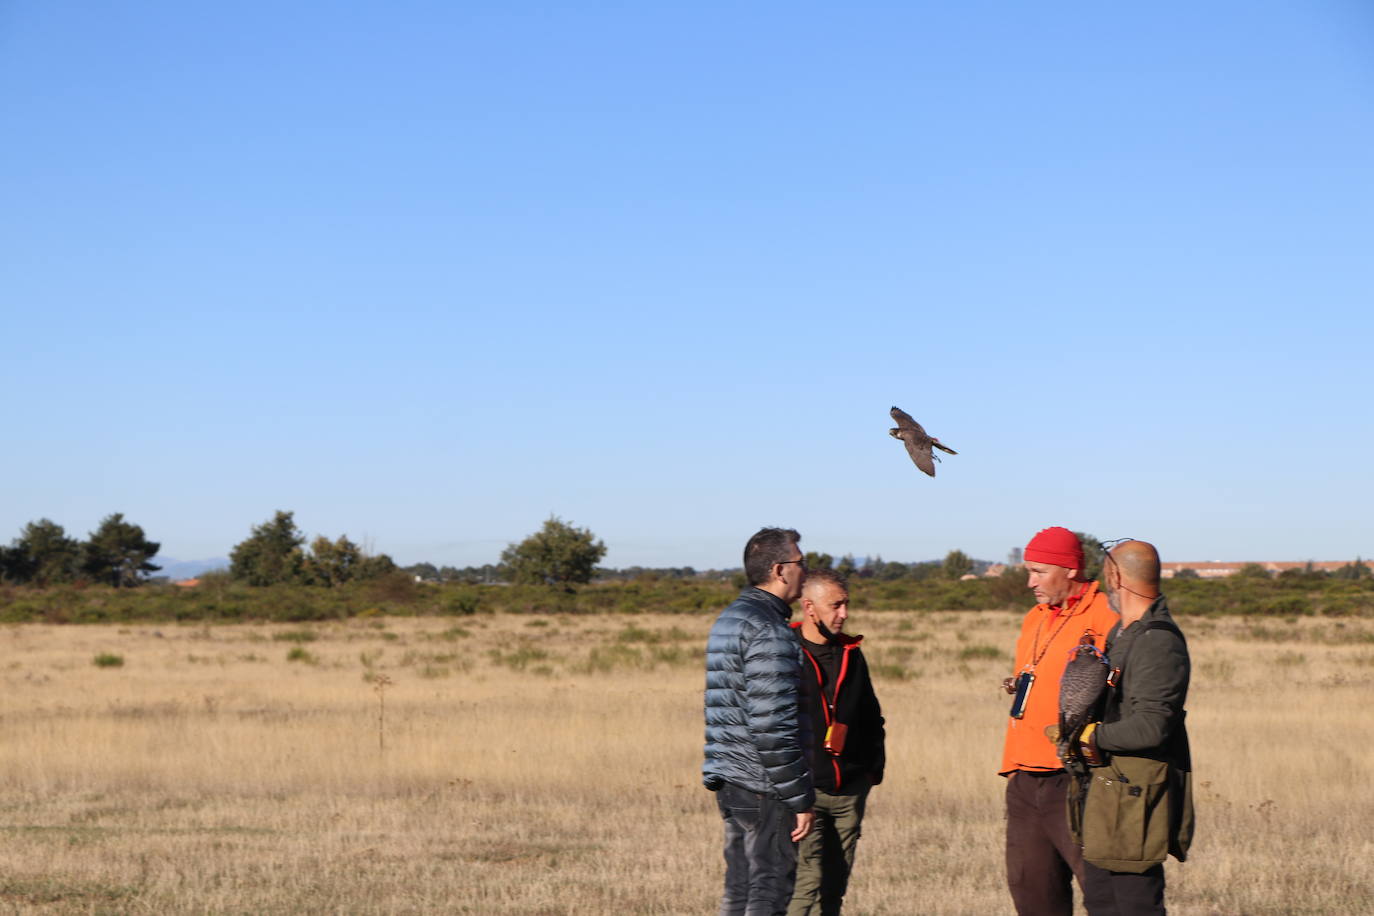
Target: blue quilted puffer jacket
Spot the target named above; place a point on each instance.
(754, 737)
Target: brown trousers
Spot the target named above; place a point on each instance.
(1042, 858)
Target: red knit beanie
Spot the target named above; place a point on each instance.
(1056, 546)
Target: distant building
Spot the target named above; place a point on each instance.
(1213, 570)
(187, 583)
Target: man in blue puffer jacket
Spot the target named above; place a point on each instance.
(756, 761)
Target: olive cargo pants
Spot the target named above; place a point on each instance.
(826, 856)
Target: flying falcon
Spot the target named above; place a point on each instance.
(1080, 694)
(918, 444)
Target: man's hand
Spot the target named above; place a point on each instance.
(1087, 746)
(1009, 684)
(803, 827)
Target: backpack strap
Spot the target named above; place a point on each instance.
(1166, 625)
(1112, 705)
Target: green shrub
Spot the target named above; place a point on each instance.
(517, 659)
(1288, 605)
(634, 633)
(108, 660)
(462, 602)
(674, 656)
(605, 659)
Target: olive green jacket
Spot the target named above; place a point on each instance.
(1139, 806)
(1144, 716)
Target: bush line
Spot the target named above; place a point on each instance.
(227, 601)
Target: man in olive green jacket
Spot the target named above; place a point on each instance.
(1143, 788)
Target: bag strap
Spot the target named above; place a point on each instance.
(1112, 704)
(1166, 625)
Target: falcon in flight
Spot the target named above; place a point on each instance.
(918, 444)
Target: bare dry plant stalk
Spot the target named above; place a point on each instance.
(550, 766)
(379, 684)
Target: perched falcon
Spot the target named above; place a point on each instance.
(1081, 690)
(918, 444)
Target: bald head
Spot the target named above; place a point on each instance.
(1139, 565)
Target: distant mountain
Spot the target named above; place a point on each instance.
(177, 570)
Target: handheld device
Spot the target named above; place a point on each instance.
(1023, 689)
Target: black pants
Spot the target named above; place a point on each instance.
(1042, 858)
(1119, 893)
(760, 857)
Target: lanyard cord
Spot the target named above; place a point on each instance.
(1036, 651)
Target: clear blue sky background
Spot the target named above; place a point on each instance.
(427, 272)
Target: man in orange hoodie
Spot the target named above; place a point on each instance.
(1042, 858)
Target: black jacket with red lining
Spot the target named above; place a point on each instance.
(856, 705)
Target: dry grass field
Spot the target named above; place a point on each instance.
(541, 765)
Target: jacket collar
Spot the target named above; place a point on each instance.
(844, 640)
(1158, 609)
(1074, 604)
(769, 600)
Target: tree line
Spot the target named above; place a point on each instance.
(275, 554)
(561, 554)
(116, 553)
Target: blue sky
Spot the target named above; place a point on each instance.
(426, 273)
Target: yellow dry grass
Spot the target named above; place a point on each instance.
(550, 766)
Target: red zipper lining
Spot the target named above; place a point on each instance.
(825, 707)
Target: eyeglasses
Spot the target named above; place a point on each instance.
(801, 562)
(1109, 546)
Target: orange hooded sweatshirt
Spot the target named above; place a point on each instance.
(1050, 634)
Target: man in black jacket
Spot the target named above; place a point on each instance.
(847, 745)
(756, 760)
